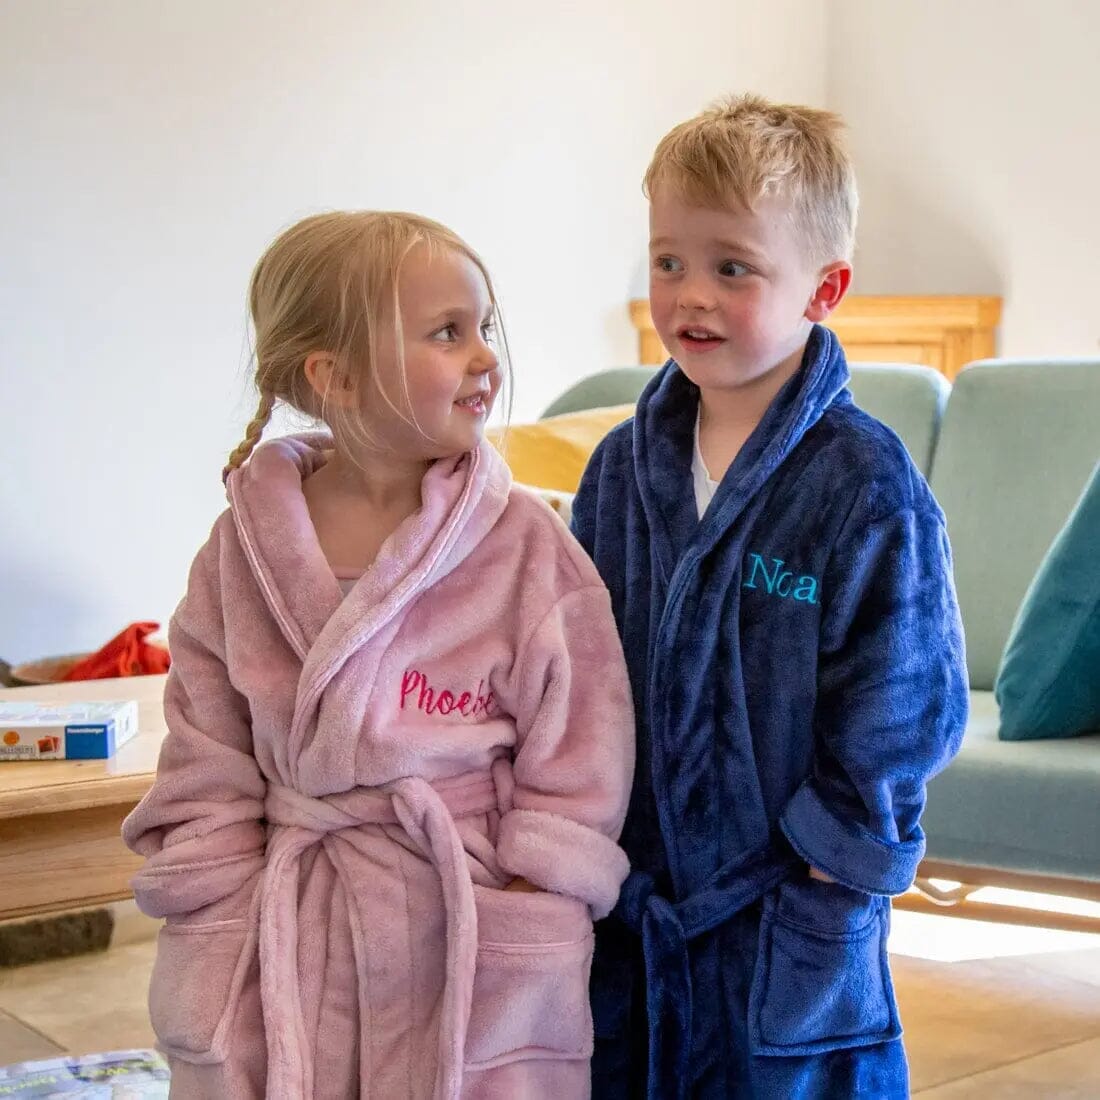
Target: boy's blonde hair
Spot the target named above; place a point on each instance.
(744, 147)
(328, 284)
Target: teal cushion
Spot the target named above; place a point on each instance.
(1018, 442)
(1024, 806)
(1049, 681)
(908, 399)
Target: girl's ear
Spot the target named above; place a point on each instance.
(832, 285)
(329, 380)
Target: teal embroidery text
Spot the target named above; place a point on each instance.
(778, 581)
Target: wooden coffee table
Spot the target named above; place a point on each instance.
(60, 846)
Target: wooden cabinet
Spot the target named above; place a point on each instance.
(939, 331)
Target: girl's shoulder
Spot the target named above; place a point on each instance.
(533, 533)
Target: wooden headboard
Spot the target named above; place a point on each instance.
(944, 332)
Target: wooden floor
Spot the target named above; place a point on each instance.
(989, 1010)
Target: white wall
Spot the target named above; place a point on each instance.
(976, 132)
(150, 150)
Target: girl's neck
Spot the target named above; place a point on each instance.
(357, 506)
(383, 482)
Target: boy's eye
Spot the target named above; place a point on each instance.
(733, 269)
(668, 264)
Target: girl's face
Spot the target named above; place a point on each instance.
(452, 373)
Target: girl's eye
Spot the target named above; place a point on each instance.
(733, 269)
(447, 334)
(488, 332)
(668, 264)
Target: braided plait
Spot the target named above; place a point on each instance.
(252, 435)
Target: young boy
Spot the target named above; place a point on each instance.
(782, 581)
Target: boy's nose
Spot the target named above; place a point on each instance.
(696, 294)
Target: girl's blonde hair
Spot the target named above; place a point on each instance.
(328, 284)
(745, 147)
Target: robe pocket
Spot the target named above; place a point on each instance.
(196, 985)
(530, 995)
(822, 981)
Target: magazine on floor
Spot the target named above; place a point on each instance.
(121, 1075)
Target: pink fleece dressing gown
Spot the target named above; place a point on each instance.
(348, 783)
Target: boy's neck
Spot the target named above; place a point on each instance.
(728, 417)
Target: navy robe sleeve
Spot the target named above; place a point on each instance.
(583, 521)
(892, 699)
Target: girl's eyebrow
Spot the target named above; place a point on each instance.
(449, 312)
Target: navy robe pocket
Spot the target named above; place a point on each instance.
(821, 982)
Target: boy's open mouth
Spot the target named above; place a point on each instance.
(698, 338)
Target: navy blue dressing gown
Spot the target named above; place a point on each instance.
(797, 663)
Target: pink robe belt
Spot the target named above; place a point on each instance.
(427, 814)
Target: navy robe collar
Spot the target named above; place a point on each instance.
(664, 425)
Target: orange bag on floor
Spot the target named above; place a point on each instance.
(127, 654)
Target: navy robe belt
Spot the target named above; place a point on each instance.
(666, 928)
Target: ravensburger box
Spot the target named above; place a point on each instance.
(65, 731)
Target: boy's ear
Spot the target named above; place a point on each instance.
(329, 380)
(832, 284)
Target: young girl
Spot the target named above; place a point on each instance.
(400, 730)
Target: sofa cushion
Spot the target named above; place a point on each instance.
(1018, 442)
(1026, 806)
(1049, 682)
(908, 399)
(616, 386)
(552, 454)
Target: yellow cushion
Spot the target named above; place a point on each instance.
(553, 453)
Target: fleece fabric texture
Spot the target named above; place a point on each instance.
(348, 782)
(797, 663)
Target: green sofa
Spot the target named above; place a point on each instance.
(1007, 451)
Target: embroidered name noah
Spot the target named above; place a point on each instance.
(417, 692)
(779, 581)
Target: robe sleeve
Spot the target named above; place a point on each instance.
(892, 701)
(200, 826)
(574, 757)
(582, 519)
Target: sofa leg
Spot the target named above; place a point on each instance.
(953, 896)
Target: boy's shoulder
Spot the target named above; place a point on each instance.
(854, 450)
(617, 445)
(611, 460)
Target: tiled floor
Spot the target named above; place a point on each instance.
(990, 1010)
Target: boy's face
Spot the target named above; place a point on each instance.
(733, 292)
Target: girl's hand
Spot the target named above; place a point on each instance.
(820, 875)
(521, 885)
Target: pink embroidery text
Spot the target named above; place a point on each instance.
(416, 691)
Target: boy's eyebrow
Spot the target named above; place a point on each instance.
(738, 247)
(741, 248)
